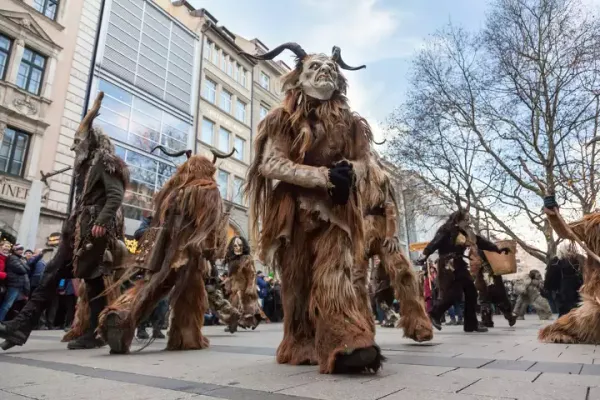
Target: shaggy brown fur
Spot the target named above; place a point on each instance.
(188, 212)
(580, 325)
(314, 243)
(380, 224)
(244, 296)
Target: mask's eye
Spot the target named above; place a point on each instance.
(314, 66)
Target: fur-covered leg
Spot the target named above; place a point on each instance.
(298, 344)
(188, 305)
(81, 322)
(414, 318)
(359, 278)
(345, 341)
(581, 325)
(542, 307)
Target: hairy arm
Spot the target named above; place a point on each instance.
(276, 164)
(484, 244)
(435, 243)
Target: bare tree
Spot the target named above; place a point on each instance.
(509, 111)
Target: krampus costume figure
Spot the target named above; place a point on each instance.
(454, 277)
(89, 244)
(394, 274)
(187, 215)
(529, 292)
(564, 278)
(492, 291)
(582, 324)
(301, 186)
(244, 296)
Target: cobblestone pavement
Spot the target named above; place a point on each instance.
(505, 363)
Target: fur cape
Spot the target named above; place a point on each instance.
(300, 126)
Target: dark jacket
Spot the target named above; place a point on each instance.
(17, 273)
(37, 266)
(263, 287)
(146, 222)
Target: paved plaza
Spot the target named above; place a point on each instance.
(505, 363)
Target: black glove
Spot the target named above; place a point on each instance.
(550, 202)
(505, 250)
(422, 260)
(342, 178)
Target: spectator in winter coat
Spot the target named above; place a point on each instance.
(17, 280)
(146, 222)
(4, 253)
(263, 287)
(37, 266)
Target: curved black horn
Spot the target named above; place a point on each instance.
(336, 55)
(218, 154)
(380, 143)
(269, 55)
(188, 153)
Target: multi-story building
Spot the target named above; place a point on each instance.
(46, 48)
(147, 64)
(225, 114)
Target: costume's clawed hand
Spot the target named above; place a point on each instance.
(550, 202)
(505, 250)
(392, 244)
(422, 260)
(341, 177)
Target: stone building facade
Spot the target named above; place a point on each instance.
(46, 48)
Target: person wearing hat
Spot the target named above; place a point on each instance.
(17, 279)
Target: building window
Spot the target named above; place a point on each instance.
(238, 186)
(46, 7)
(207, 49)
(223, 182)
(263, 112)
(129, 119)
(240, 111)
(236, 72)
(210, 91)
(239, 145)
(12, 151)
(230, 65)
(208, 128)
(215, 56)
(31, 71)
(226, 101)
(4, 53)
(265, 81)
(223, 60)
(147, 176)
(244, 81)
(223, 143)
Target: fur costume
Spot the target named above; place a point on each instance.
(242, 274)
(188, 214)
(582, 324)
(301, 186)
(394, 271)
(564, 279)
(454, 275)
(491, 290)
(529, 292)
(100, 181)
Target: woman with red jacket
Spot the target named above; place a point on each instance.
(4, 252)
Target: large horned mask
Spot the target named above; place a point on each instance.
(85, 139)
(318, 75)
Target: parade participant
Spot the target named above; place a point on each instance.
(564, 278)
(492, 291)
(88, 246)
(529, 292)
(394, 273)
(384, 294)
(454, 278)
(314, 146)
(187, 214)
(244, 296)
(582, 324)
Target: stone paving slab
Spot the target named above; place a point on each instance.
(453, 366)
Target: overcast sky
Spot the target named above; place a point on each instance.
(383, 34)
